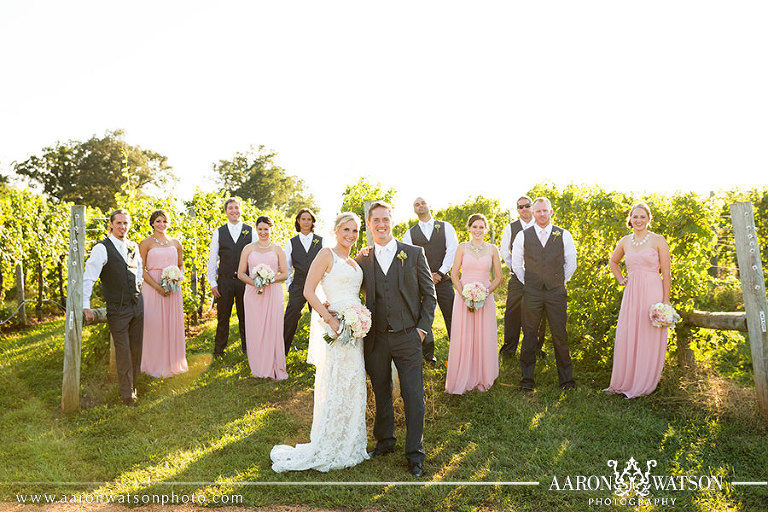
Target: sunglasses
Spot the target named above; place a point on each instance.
(521, 206)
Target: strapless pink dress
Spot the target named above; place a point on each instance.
(473, 354)
(164, 350)
(640, 348)
(264, 323)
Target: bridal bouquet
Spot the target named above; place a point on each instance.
(262, 276)
(663, 315)
(355, 322)
(170, 278)
(474, 295)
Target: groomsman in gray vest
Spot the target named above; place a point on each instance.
(117, 262)
(513, 313)
(227, 243)
(439, 241)
(300, 251)
(544, 259)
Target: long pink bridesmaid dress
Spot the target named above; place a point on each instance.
(640, 349)
(264, 323)
(164, 350)
(473, 354)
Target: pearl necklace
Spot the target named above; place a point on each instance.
(161, 244)
(269, 244)
(641, 242)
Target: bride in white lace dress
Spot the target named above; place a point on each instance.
(338, 437)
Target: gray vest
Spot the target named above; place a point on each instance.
(302, 259)
(434, 248)
(229, 251)
(544, 265)
(119, 282)
(390, 310)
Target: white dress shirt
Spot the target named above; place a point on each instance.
(451, 241)
(518, 252)
(96, 262)
(506, 241)
(213, 256)
(385, 254)
(306, 242)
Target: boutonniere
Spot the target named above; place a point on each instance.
(556, 233)
(244, 232)
(402, 257)
(315, 241)
(437, 226)
(131, 250)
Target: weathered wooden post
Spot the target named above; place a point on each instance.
(20, 292)
(368, 234)
(73, 326)
(753, 289)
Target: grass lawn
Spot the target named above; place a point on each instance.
(218, 424)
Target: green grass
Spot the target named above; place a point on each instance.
(217, 423)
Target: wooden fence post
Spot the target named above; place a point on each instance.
(73, 327)
(753, 289)
(368, 234)
(20, 292)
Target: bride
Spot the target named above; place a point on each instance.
(338, 437)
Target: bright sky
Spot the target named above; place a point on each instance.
(439, 99)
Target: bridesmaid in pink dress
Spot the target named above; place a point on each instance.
(264, 306)
(640, 349)
(164, 350)
(473, 354)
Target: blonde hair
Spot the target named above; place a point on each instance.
(477, 216)
(642, 206)
(343, 218)
(543, 199)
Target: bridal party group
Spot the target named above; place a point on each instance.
(246, 269)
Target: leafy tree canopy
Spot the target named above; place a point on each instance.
(92, 172)
(253, 175)
(354, 198)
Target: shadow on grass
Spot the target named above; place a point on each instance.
(217, 424)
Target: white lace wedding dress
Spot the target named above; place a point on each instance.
(338, 437)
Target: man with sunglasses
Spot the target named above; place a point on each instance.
(513, 313)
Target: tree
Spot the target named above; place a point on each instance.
(253, 175)
(92, 172)
(354, 198)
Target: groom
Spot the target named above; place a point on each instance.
(401, 297)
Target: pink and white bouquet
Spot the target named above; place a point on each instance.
(474, 295)
(262, 275)
(354, 324)
(663, 315)
(170, 278)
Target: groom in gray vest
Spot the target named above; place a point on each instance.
(439, 241)
(401, 297)
(117, 262)
(544, 259)
(227, 243)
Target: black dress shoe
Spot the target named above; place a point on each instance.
(416, 469)
(566, 387)
(130, 401)
(526, 389)
(377, 452)
(218, 357)
(431, 362)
